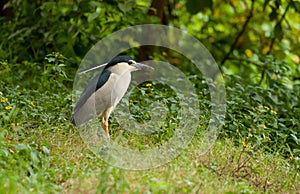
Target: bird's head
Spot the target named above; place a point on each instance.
(127, 63)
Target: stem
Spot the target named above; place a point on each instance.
(273, 41)
(233, 46)
(278, 23)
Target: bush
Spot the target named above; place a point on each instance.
(265, 118)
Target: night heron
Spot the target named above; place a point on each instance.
(105, 90)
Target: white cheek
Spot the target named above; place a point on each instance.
(133, 68)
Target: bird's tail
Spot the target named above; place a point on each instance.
(72, 120)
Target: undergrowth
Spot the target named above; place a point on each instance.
(258, 148)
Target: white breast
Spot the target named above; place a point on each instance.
(112, 92)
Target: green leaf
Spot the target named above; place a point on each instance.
(13, 113)
(5, 151)
(95, 3)
(34, 156)
(195, 6)
(51, 59)
(126, 6)
(21, 147)
(93, 16)
(294, 137)
(46, 150)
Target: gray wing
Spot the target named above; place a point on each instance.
(82, 112)
(94, 84)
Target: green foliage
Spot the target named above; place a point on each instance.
(31, 166)
(27, 93)
(256, 44)
(27, 96)
(71, 28)
(264, 117)
(141, 100)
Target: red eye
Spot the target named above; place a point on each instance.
(130, 62)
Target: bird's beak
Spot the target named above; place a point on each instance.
(142, 67)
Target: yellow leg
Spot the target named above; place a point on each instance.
(105, 116)
(105, 126)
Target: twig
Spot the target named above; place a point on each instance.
(233, 46)
(245, 60)
(278, 23)
(273, 41)
(156, 9)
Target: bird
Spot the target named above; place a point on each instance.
(104, 91)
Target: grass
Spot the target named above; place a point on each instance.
(225, 169)
(41, 152)
(70, 167)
